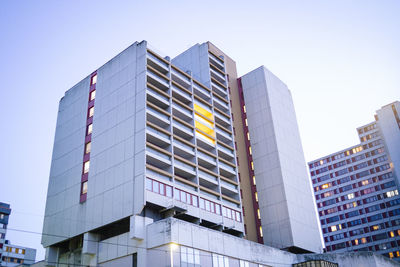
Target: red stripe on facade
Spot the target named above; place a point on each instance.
(253, 187)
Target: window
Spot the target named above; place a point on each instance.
(256, 196)
(350, 196)
(84, 187)
(258, 214)
(250, 152)
(261, 231)
(86, 166)
(92, 95)
(220, 261)
(94, 80)
(89, 129)
(246, 122)
(91, 112)
(88, 147)
(254, 180)
(243, 263)
(248, 136)
(252, 166)
(1, 216)
(190, 257)
(244, 109)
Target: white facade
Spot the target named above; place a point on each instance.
(15, 255)
(286, 205)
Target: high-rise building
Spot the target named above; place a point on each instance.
(357, 189)
(179, 163)
(4, 215)
(10, 254)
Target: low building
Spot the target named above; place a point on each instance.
(14, 255)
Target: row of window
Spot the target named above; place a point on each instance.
(343, 155)
(88, 138)
(15, 250)
(13, 260)
(183, 196)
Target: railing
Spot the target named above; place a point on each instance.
(152, 130)
(229, 185)
(206, 175)
(183, 126)
(184, 165)
(157, 60)
(224, 149)
(204, 155)
(182, 109)
(227, 167)
(157, 113)
(158, 153)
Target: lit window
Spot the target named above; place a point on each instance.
(252, 166)
(390, 254)
(258, 214)
(256, 196)
(91, 112)
(254, 180)
(205, 137)
(391, 233)
(350, 196)
(94, 79)
(321, 162)
(89, 129)
(248, 136)
(23, 251)
(325, 186)
(340, 226)
(86, 166)
(261, 232)
(250, 150)
(246, 122)
(88, 147)
(363, 240)
(93, 95)
(397, 253)
(244, 109)
(347, 153)
(375, 227)
(84, 188)
(356, 241)
(204, 128)
(354, 204)
(333, 228)
(365, 182)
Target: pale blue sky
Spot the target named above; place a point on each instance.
(339, 58)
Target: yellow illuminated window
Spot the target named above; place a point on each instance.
(356, 241)
(340, 226)
(325, 186)
(365, 182)
(375, 227)
(254, 180)
(258, 214)
(398, 232)
(256, 196)
(86, 166)
(91, 112)
(205, 137)
(244, 109)
(261, 232)
(89, 129)
(248, 136)
(204, 128)
(397, 253)
(391, 233)
(88, 147)
(333, 228)
(92, 95)
(94, 79)
(250, 150)
(347, 152)
(203, 111)
(390, 254)
(354, 204)
(246, 122)
(363, 240)
(321, 162)
(252, 166)
(23, 251)
(84, 188)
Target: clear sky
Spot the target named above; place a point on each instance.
(341, 60)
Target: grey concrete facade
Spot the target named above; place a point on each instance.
(284, 191)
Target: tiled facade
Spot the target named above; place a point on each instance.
(356, 191)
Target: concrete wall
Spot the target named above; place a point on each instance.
(115, 183)
(286, 201)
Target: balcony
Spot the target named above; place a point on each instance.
(158, 64)
(216, 61)
(157, 81)
(224, 136)
(217, 76)
(180, 78)
(229, 189)
(157, 117)
(182, 130)
(156, 175)
(181, 111)
(183, 169)
(157, 159)
(201, 92)
(225, 152)
(157, 98)
(157, 137)
(183, 150)
(218, 89)
(226, 170)
(205, 160)
(222, 119)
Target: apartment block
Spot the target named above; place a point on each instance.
(156, 163)
(4, 215)
(357, 189)
(16, 255)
